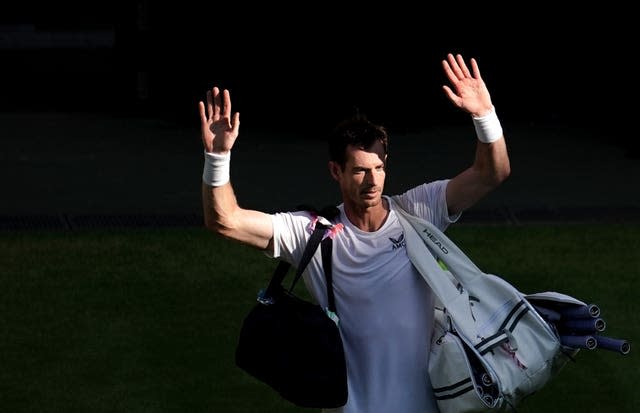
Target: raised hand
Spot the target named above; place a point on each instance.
(218, 129)
(467, 91)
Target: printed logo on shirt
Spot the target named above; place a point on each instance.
(398, 243)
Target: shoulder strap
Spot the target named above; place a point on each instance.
(312, 245)
(423, 242)
(440, 245)
(327, 248)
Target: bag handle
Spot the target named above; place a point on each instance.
(314, 241)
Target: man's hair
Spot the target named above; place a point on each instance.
(357, 131)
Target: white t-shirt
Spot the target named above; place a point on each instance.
(384, 304)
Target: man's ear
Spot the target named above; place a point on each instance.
(334, 170)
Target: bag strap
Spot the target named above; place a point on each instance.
(441, 246)
(327, 249)
(419, 234)
(452, 287)
(313, 243)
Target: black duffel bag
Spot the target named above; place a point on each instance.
(294, 345)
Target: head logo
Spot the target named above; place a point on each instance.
(435, 240)
(398, 243)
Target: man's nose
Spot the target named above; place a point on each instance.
(369, 177)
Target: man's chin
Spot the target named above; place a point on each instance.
(371, 201)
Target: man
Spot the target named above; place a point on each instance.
(385, 306)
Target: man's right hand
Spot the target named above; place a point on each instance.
(218, 129)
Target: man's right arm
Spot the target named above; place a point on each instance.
(222, 214)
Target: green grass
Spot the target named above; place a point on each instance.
(147, 320)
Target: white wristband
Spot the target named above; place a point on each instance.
(216, 168)
(488, 128)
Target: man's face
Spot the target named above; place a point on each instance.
(362, 180)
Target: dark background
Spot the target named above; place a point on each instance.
(307, 65)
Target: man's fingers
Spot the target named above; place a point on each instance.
(475, 69)
(455, 68)
(447, 70)
(463, 66)
(226, 108)
(209, 106)
(203, 114)
(235, 125)
(452, 96)
(217, 103)
(216, 113)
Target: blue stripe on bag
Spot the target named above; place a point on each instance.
(453, 387)
(514, 316)
(489, 343)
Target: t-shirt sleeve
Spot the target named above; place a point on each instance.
(290, 234)
(429, 201)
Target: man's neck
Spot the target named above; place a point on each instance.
(368, 219)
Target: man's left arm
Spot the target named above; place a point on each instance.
(490, 168)
(491, 164)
